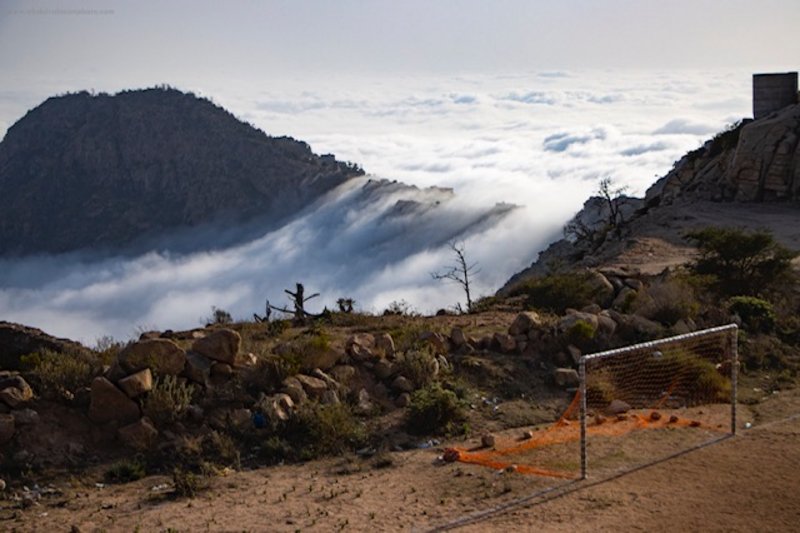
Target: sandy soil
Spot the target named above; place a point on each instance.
(745, 483)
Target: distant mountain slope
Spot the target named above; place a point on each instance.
(85, 171)
(747, 176)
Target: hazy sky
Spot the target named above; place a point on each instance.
(157, 40)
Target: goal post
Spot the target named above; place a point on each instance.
(684, 386)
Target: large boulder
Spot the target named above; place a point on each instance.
(160, 355)
(384, 344)
(314, 387)
(110, 403)
(566, 377)
(137, 384)
(198, 368)
(6, 428)
(437, 341)
(140, 435)
(360, 346)
(524, 322)
(294, 389)
(14, 390)
(221, 345)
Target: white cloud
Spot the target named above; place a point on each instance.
(463, 133)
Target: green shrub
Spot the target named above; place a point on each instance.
(318, 429)
(126, 471)
(667, 302)
(741, 263)
(558, 292)
(420, 366)
(581, 333)
(186, 483)
(757, 315)
(168, 400)
(220, 449)
(434, 409)
(53, 373)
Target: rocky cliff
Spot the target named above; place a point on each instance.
(748, 175)
(84, 171)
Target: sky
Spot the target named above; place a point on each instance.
(506, 102)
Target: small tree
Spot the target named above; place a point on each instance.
(460, 273)
(299, 300)
(614, 199)
(741, 263)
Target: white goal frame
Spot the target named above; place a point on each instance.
(732, 348)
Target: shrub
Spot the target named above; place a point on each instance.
(581, 333)
(434, 409)
(186, 483)
(126, 471)
(741, 263)
(55, 373)
(557, 292)
(168, 400)
(667, 302)
(220, 449)
(757, 315)
(318, 429)
(219, 316)
(420, 366)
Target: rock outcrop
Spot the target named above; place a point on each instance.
(17, 340)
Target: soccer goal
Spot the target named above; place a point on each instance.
(644, 403)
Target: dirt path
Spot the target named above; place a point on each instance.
(746, 483)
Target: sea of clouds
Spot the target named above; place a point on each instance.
(540, 141)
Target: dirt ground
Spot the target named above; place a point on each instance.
(745, 483)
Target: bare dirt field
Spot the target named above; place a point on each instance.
(744, 483)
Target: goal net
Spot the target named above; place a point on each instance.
(647, 402)
(635, 405)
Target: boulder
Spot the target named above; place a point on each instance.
(329, 381)
(220, 345)
(402, 384)
(505, 343)
(240, 419)
(221, 370)
(383, 369)
(403, 400)
(314, 387)
(437, 341)
(364, 403)
(624, 299)
(160, 355)
(602, 288)
(617, 407)
(488, 440)
(277, 408)
(246, 360)
(574, 353)
(573, 317)
(343, 373)
(198, 368)
(359, 346)
(566, 377)
(294, 389)
(140, 435)
(457, 337)
(384, 344)
(110, 403)
(14, 390)
(524, 322)
(137, 384)
(605, 324)
(25, 417)
(329, 397)
(6, 428)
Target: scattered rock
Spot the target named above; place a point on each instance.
(566, 377)
(277, 408)
(140, 435)
(574, 353)
(488, 440)
(359, 346)
(110, 403)
(221, 345)
(383, 369)
(137, 384)
(457, 337)
(384, 343)
(161, 355)
(294, 389)
(329, 397)
(617, 407)
(437, 341)
(25, 417)
(198, 368)
(246, 360)
(673, 419)
(655, 416)
(221, 370)
(403, 400)
(343, 373)
(524, 322)
(599, 419)
(364, 405)
(402, 384)
(505, 343)
(6, 428)
(15, 391)
(314, 387)
(527, 435)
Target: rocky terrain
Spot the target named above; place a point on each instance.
(112, 170)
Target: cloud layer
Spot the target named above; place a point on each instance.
(538, 140)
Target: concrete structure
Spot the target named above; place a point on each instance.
(773, 92)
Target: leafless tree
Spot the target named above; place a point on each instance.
(613, 197)
(299, 300)
(461, 272)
